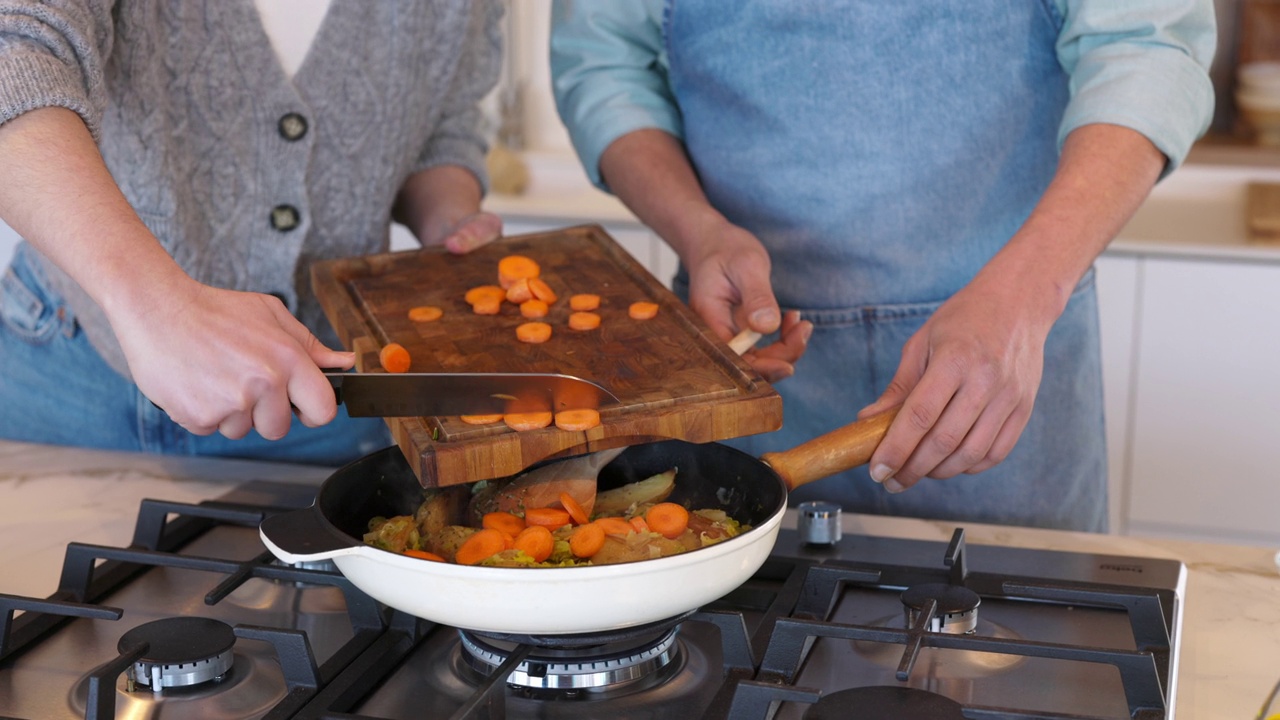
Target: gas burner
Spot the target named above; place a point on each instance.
(884, 703)
(957, 611)
(600, 667)
(184, 651)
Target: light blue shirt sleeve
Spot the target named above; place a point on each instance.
(1141, 64)
(608, 71)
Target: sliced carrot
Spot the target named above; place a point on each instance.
(639, 524)
(542, 290)
(583, 302)
(643, 310)
(424, 555)
(536, 541)
(533, 332)
(667, 519)
(487, 306)
(519, 291)
(547, 517)
(575, 510)
(503, 522)
(514, 267)
(527, 421)
(584, 321)
(534, 308)
(425, 313)
(586, 540)
(482, 292)
(394, 358)
(577, 419)
(481, 419)
(614, 526)
(481, 545)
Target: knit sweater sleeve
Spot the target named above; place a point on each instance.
(52, 54)
(459, 137)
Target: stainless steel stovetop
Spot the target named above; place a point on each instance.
(196, 619)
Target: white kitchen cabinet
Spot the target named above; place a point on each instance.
(1205, 443)
(1117, 281)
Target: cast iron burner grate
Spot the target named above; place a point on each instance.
(956, 607)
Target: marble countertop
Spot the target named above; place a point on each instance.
(1230, 653)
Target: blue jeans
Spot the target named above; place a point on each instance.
(56, 389)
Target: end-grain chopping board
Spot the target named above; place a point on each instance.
(673, 377)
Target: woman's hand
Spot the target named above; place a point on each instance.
(230, 362)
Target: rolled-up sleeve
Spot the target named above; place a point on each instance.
(52, 54)
(608, 69)
(1141, 64)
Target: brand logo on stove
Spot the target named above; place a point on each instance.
(1120, 567)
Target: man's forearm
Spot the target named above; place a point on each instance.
(649, 171)
(58, 194)
(1104, 175)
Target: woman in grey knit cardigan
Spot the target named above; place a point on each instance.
(173, 182)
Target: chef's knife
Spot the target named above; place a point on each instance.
(432, 394)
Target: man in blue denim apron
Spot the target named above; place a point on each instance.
(928, 183)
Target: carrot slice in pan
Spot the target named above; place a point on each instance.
(536, 541)
(514, 267)
(423, 555)
(481, 419)
(542, 290)
(503, 522)
(533, 332)
(425, 313)
(534, 308)
(575, 510)
(547, 517)
(667, 519)
(614, 526)
(527, 421)
(586, 540)
(583, 302)
(639, 524)
(394, 358)
(584, 321)
(643, 310)
(481, 545)
(577, 419)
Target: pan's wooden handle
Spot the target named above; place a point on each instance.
(837, 451)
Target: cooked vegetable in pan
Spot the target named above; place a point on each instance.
(626, 524)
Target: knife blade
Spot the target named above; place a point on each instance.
(432, 394)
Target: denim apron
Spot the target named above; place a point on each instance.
(56, 389)
(883, 151)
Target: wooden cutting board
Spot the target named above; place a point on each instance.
(674, 378)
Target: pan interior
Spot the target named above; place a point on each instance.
(709, 475)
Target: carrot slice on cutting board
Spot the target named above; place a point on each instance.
(533, 332)
(514, 267)
(577, 419)
(584, 321)
(643, 310)
(425, 313)
(481, 292)
(394, 358)
(542, 290)
(481, 419)
(583, 302)
(521, 422)
(534, 308)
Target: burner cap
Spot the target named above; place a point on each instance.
(957, 606)
(884, 703)
(183, 651)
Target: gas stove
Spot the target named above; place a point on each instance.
(197, 619)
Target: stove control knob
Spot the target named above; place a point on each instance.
(819, 522)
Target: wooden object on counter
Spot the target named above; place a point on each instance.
(1262, 212)
(674, 378)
